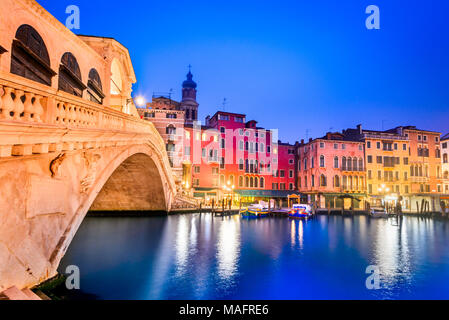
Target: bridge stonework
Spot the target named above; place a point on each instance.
(64, 152)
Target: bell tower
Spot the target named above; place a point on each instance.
(188, 102)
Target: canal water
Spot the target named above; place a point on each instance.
(198, 256)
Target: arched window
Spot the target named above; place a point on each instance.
(170, 129)
(240, 181)
(356, 183)
(323, 181)
(231, 180)
(412, 171)
(336, 181)
(354, 164)
(94, 87)
(336, 162)
(29, 56)
(345, 182)
(446, 175)
(360, 164)
(256, 182)
(322, 161)
(349, 163)
(262, 182)
(445, 158)
(246, 182)
(70, 76)
(343, 164)
(251, 182)
(222, 180)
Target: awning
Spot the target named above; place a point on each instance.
(266, 193)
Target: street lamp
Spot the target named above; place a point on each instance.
(139, 101)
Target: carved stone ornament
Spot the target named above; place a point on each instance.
(91, 161)
(55, 164)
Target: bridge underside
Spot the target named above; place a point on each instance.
(134, 186)
(44, 199)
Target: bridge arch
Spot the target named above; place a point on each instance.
(135, 179)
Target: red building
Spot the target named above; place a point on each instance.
(234, 158)
(228, 157)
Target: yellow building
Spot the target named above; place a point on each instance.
(387, 165)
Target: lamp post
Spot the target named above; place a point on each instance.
(138, 101)
(383, 190)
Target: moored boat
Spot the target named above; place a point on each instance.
(378, 213)
(255, 211)
(300, 211)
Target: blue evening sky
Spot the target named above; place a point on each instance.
(300, 66)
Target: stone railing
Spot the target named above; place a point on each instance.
(27, 104)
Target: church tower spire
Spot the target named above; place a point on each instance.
(188, 102)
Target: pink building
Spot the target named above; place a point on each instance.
(331, 171)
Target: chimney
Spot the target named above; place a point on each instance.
(359, 128)
(302, 141)
(207, 121)
(310, 140)
(328, 136)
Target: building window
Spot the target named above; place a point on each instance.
(238, 119)
(404, 147)
(171, 116)
(378, 145)
(336, 162)
(335, 146)
(223, 117)
(262, 182)
(322, 161)
(223, 143)
(313, 180)
(170, 129)
(29, 56)
(336, 181)
(368, 144)
(94, 87)
(240, 181)
(222, 129)
(70, 76)
(290, 173)
(322, 145)
(323, 181)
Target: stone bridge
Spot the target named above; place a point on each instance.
(78, 157)
(70, 141)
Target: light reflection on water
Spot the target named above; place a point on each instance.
(204, 257)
